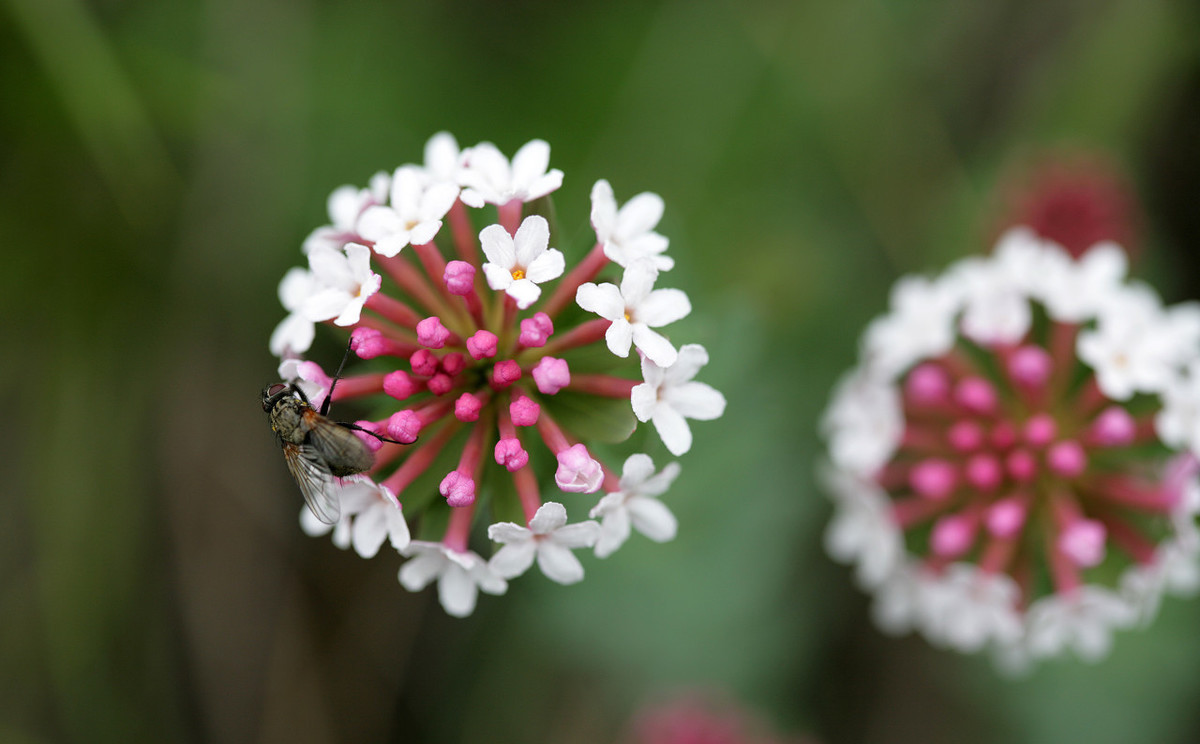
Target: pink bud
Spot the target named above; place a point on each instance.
(1030, 366)
(952, 536)
(440, 384)
(536, 330)
(467, 407)
(927, 384)
(459, 277)
(551, 375)
(511, 454)
(364, 342)
(1021, 465)
(933, 479)
(984, 472)
(1006, 517)
(1114, 427)
(431, 333)
(505, 373)
(400, 384)
(577, 471)
(458, 489)
(404, 426)
(1040, 429)
(482, 345)
(1067, 458)
(1004, 435)
(372, 443)
(965, 435)
(524, 411)
(452, 363)
(1083, 542)
(976, 395)
(423, 362)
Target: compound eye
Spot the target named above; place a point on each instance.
(273, 392)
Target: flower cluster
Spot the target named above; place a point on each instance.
(1013, 462)
(497, 363)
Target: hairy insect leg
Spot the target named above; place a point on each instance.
(368, 432)
(336, 375)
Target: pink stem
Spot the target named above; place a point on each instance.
(585, 271)
(607, 386)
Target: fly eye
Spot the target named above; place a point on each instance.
(271, 393)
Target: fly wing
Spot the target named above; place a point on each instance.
(319, 486)
(340, 450)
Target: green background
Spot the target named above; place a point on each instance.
(160, 163)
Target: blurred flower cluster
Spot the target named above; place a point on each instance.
(1013, 461)
(498, 364)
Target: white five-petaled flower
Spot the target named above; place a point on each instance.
(627, 234)
(345, 282)
(920, 324)
(294, 334)
(345, 205)
(548, 538)
(669, 397)
(636, 504)
(517, 264)
(861, 530)
(635, 309)
(460, 575)
(488, 177)
(414, 213)
(370, 514)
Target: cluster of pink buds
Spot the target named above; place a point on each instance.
(498, 364)
(1013, 462)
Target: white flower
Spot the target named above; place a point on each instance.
(489, 178)
(345, 205)
(635, 309)
(414, 214)
(864, 423)
(345, 282)
(548, 538)
(968, 609)
(996, 309)
(919, 326)
(443, 160)
(1136, 345)
(1076, 290)
(1178, 423)
(460, 576)
(636, 504)
(669, 397)
(862, 531)
(1083, 620)
(370, 514)
(518, 264)
(294, 334)
(628, 234)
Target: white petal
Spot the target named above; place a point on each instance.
(544, 185)
(513, 559)
(294, 333)
(619, 337)
(604, 210)
(424, 232)
(672, 429)
(325, 305)
(578, 535)
(549, 517)
(605, 300)
(343, 205)
(547, 266)
(498, 246)
(696, 400)
(530, 163)
(663, 306)
(644, 398)
(378, 222)
(421, 569)
(638, 468)
(369, 531)
(614, 531)
(692, 358)
(652, 518)
(296, 285)
(498, 277)
(532, 238)
(653, 344)
(637, 281)
(508, 532)
(658, 484)
(457, 592)
(524, 291)
(640, 214)
(559, 563)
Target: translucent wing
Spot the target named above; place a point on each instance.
(319, 487)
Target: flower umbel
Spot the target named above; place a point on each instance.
(480, 339)
(1009, 470)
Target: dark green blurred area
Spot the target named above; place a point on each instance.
(160, 163)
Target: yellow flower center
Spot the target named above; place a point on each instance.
(518, 274)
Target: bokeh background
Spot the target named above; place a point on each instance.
(160, 163)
